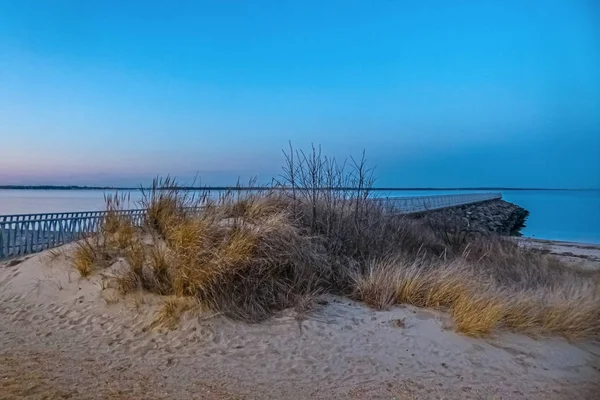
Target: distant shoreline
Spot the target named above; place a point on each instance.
(243, 188)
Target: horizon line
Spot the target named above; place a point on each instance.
(243, 188)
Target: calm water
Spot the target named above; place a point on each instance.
(557, 215)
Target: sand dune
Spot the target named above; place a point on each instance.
(64, 337)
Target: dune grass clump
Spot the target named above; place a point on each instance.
(171, 310)
(91, 254)
(84, 258)
(244, 257)
(319, 230)
(421, 282)
(166, 204)
(159, 271)
(482, 296)
(116, 229)
(115, 237)
(478, 314)
(244, 266)
(95, 252)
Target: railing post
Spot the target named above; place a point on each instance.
(1, 242)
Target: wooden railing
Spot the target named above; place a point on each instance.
(30, 233)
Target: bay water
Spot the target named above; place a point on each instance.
(569, 215)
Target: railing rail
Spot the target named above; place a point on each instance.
(29, 233)
(420, 204)
(22, 234)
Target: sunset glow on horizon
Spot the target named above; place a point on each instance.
(439, 94)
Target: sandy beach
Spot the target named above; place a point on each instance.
(299, 200)
(581, 254)
(66, 337)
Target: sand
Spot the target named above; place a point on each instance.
(580, 254)
(65, 337)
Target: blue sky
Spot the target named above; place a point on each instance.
(439, 93)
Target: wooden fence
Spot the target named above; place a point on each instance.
(30, 233)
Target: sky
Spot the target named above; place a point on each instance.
(438, 93)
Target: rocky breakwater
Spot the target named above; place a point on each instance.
(489, 217)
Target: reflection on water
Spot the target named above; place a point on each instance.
(557, 215)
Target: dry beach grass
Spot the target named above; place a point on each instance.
(65, 336)
(250, 255)
(263, 295)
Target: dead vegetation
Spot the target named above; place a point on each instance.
(318, 230)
